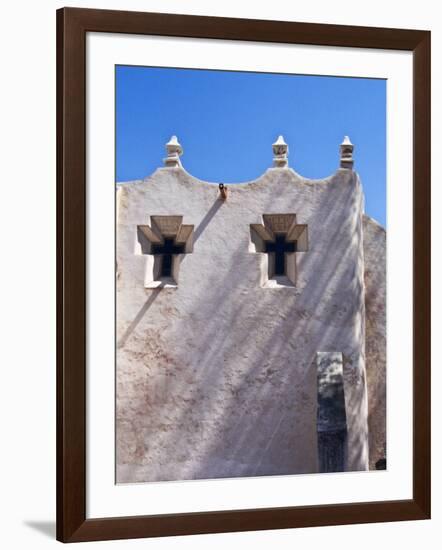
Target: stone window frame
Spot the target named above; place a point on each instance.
(261, 233)
(162, 227)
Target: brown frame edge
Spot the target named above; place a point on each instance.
(72, 25)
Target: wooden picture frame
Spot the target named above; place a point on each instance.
(72, 26)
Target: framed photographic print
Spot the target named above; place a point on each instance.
(243, 274)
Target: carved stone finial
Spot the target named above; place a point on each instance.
(280, 153)
(174, 151)
(346, 150)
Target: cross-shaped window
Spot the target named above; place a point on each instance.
(167, 249)
(163, 243)
(280, 247)
(279, 238)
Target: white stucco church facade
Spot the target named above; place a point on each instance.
(250, 324)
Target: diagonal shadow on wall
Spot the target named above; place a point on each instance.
(139, 316)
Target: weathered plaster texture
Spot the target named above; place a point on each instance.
(375, 343)
(217, 376)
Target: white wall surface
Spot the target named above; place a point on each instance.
(244, 404)
(27, 299)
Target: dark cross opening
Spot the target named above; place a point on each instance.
(280, 247)
(167, 250)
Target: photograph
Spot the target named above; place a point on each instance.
(226, 339)
(250, 254)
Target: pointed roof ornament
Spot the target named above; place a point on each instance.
(280, 153)
(174, 151)
(346, 152)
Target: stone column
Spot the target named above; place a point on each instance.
(331, 416)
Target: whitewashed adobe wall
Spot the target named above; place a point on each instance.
(216, 368)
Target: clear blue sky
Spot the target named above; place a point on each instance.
(227, 122)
